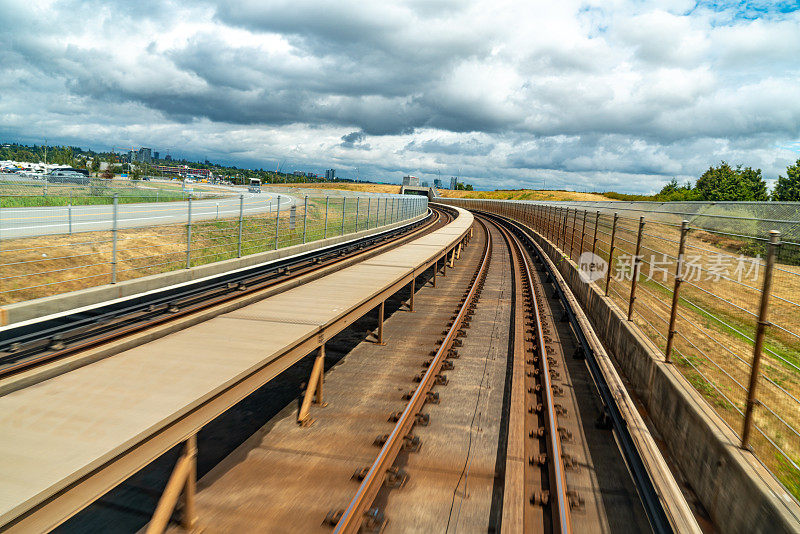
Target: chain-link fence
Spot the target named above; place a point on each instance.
(46, 251)
(715, 286)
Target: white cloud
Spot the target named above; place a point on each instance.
(588, 95)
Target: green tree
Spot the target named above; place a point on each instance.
(96, 163)
(727, 183)
(788, 188)
(468, 187)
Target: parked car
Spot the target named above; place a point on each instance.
(60, 176)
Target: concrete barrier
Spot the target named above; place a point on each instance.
(32, 309)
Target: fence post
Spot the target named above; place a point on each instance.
(69, 216)
(189, 234)
(596, 222)
(673, 313)
(572, 235)
(358, 208)
(344, 211)
(583, 233)
(774, 243)
(325, 232)
(241, 222)
(305, 217)
(277, 221)
(369, 211)
(637, 264)
(385, 208)
(611, 251)
(115, 211)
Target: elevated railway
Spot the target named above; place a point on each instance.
(473, 396)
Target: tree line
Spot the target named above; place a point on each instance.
(724, 183)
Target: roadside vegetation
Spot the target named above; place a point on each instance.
(725, 183)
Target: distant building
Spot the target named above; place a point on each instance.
(437, 183)
(453, 183)
(144, 155)
(155, 155)
(167, 158)
(330, 174)
(299, 173)
(410, 180)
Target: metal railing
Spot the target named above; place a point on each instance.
(717, 291)
(107, 244)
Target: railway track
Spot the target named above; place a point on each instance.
(543, 412)
(35, 343)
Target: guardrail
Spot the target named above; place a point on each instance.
(717, 294)
(111, 248)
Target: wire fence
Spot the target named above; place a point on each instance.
(716, 290)
(110, 245)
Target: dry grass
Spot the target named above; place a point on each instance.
(523, 194)
(344, 186)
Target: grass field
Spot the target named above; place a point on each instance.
(344, 186)
(22, 195)
(522, 194)
(511, 194)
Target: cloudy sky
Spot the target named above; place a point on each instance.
(585, 95)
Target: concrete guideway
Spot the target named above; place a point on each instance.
(75, 436)
(31, 222)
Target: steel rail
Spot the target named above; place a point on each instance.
(353, 515)
(651, 500)
(559, 500)
(89, 330)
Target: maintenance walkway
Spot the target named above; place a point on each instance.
(71, 438)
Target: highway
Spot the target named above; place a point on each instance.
(33, 222)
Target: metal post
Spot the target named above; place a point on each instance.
(381, 309)
(413, 290)
(189, 234)
(435, 270)
(305, 217)
(358, 208)
(344, 211)
(241, 223)
(369, 210)
(277, 221)
(114, 240)
(596, 221)
(572, 233)
(69, 216)
(325, 233)
(583, 233)
(385, 209)
(611, 252)
(774, 243)
(673, 314)
(637, 265)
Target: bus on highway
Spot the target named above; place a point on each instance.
(255, 185)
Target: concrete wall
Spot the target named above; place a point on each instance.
(32, 309)
(739, 493)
